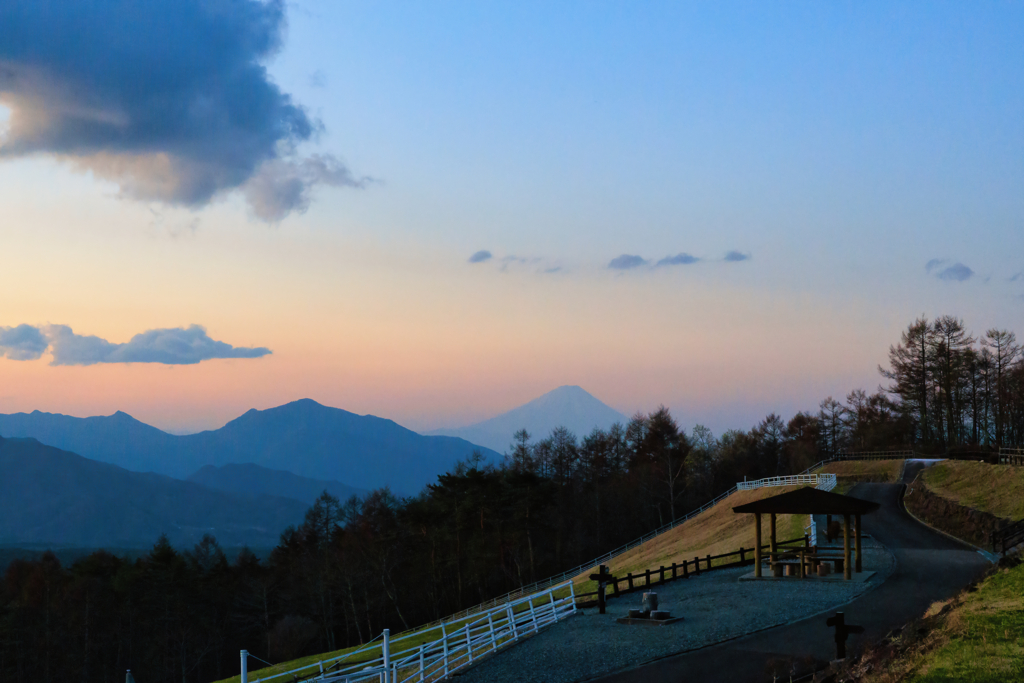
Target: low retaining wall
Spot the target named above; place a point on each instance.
(968, 524)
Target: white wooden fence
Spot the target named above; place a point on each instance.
(459, 645)
(825, 482)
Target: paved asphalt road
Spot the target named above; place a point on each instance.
(929, 567)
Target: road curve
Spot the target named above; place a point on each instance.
(930, 567)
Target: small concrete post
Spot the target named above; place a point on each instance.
(757, 544)
(847, 569)
(244, 678)
(386, 649)
(860, 566)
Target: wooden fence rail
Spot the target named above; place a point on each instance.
(1007, 537)
(679, 570)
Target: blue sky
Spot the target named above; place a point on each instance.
(842, 147)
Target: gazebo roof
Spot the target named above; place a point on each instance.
(809, 501)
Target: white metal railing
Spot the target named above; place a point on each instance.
(458, 646)
(825, 482)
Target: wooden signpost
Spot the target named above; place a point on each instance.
(843, 630)
(603, 577)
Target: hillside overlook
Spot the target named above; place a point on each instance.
(51, 496)
(302, 437)
(253, 479)
(567, 406)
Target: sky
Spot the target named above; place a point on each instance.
(435, 212)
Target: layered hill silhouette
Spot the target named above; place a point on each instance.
(302, 437)
(567, 406)
(250, 478)
(51, 496)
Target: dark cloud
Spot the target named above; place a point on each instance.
(175, 346)
(480, 256)
(683, 259)
(23, 342)
(735, 256)
(626, 262)
(168, 98)
(957, 272)
(934, 263)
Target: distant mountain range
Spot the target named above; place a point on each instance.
(568, 406)
(253, 479)
(303, 437)
(50, 496)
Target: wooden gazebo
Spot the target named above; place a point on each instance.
(809, 501)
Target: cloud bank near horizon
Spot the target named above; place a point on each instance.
(167, 98)
(171, 346)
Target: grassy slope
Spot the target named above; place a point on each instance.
(713, 532)
(996, 489)
(887, 471)
(978, 636)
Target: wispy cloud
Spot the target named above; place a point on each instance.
(173, 346)
(627, 262)
(933, 264)
(957, 272)
(173, 103)
(317, 79)
(736, 256)
(1018, 276)
(682, 259)
(480, 256)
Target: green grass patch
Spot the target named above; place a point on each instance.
(882, 471)
(995, 489)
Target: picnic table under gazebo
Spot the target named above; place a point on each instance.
(809, 501)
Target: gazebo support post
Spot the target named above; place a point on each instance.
(757, 544)
(774, 544)
(856, 530)
(847, 569)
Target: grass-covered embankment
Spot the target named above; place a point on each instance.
(715, 531)
(977, 636)
(967, 499)
(882, 471)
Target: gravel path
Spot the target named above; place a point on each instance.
(715, 606)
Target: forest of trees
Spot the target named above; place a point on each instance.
(355, 567)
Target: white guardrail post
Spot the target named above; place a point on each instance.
(245, 666)
(386, 648)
